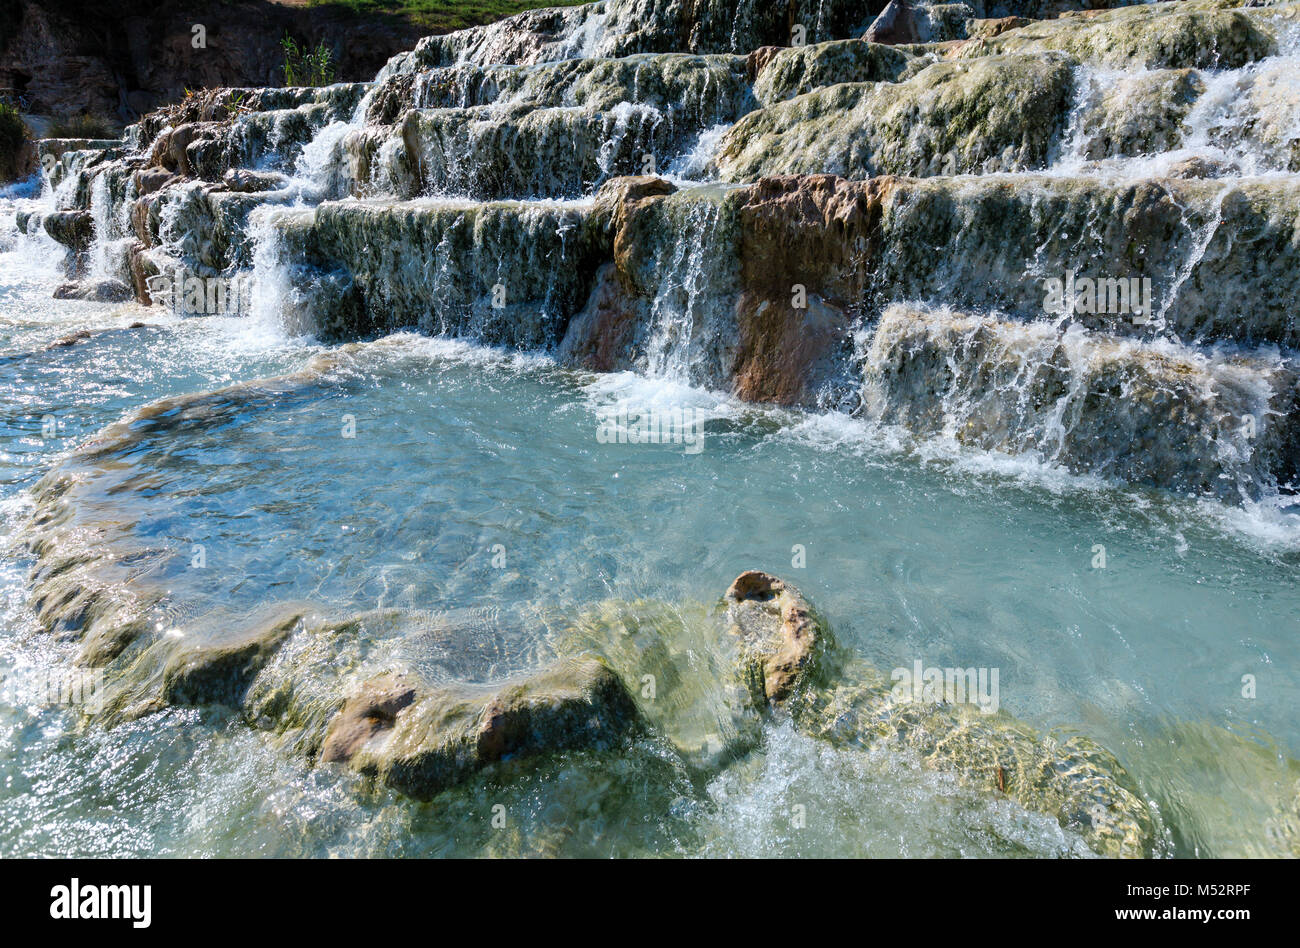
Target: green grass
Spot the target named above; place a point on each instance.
(443, 16)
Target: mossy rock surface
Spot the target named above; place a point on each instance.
(799, 69)
(421, 739)
(1163, 35)
(221, 672)
(994, 113)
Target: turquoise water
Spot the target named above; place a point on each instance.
(475, 484)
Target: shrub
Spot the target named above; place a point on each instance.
(13, 140)
(84, 125)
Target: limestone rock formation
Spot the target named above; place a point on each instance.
(1196, 34)
(796, 70)
(1093, 402)
(992, 113)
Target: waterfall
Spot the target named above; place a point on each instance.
(109, 253)
(460, 193)
(696, 163)
(1143, 122)
(1080, 399)
(318, 171)
(684, 305)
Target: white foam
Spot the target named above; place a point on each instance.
(696, 164)
(640, 393)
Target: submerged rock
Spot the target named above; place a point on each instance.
(80, 583)
(420, 738)
(71, 339)
(1065, 775)
(221, 672)
(365, 715)
(683, 674)
(784, 661)
(788, 655)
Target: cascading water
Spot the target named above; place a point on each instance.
(585, 218)
(1237, 120)
(682, 311)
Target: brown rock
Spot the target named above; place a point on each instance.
(178, 139)
(616, 201)
(142, 268)
(895, 25)
(600, 337)
(779, 636)
(757, 61)
(363, 716)
(815, 231)
(141, 212)
(149, 180)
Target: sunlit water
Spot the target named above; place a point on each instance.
(434, 475)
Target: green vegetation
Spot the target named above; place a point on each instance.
(13, 134)
(84, 125)
(307, 67)
(237, 105)
(443, 16)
